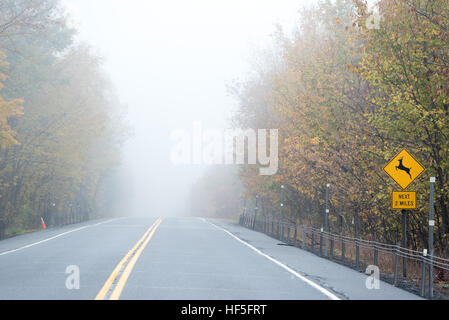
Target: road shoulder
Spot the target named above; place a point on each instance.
(344, 282)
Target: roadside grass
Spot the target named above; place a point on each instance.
(17, 231)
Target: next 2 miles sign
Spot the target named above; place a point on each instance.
(403, 199)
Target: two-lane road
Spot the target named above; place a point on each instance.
(171, 258)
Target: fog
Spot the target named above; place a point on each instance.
(170, 62)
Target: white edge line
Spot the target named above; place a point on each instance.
(296, 274)
(56, 236)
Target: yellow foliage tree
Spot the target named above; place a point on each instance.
(8, 109)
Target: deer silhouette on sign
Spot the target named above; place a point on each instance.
(403, 168)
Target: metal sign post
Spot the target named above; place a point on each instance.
(255, 212)
(431, 225)
(326, 222)
(404, 242)
(281, 225)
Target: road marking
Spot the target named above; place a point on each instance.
(107, 285)
(115, 295)
(56, 236)
(134, 253)
(296, 274)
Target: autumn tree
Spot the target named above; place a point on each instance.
(8, 109)
(347, 92)
(67, 142)
(406, 61)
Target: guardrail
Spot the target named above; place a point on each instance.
(359, 253)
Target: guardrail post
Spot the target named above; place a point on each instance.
(342, 249)
(313, 240)
(288, 234)
(396, 265)
(357, 253)
(304, 236)
(283, 232)
(423, 273)
(332, 248)
(376, 254)
(321, 242)
(267, 225)
(256, 209)
(279, 229)
(295, 235)
(2, 230)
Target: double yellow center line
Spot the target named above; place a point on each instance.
(127, 264)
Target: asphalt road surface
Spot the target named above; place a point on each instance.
(171, 258)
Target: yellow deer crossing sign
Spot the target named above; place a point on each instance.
(404, 169)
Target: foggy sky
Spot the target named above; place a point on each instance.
(170, 62)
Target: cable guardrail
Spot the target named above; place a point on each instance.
(306, 237)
